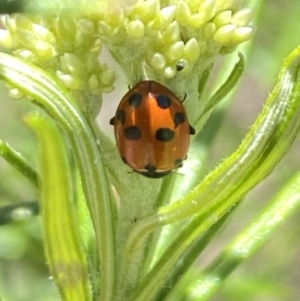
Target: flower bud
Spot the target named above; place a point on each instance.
(43, 33)
(69, 81)
(224, 35)
(176, 51)
(115, 15)
(136, 29)
(25, 54)
(87, 26)
(5, 39)
(172, 33)
(223, 18)
(15, 93)
(169, 72)
(44, 50)
(73, 63)
(242, 34)
(148, 10)
(243, 17)
(108, 77)
(164, 17)
(183, 13)
(157, 61)
(192, 49)
(93, 82)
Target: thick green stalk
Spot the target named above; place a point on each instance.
(153, 243)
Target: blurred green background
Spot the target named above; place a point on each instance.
(273, 273)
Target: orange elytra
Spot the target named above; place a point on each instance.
(152, 129)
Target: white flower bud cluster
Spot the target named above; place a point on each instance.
(66, 47)
(186, 31)
(167, 39)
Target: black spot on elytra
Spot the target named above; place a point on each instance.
(163, 101)
(112, 121)
(124, 160)
(135, 99)
(121, 116)
(150, 167)
(133, 133)
(178, 163)
(152, 173)
(179, 118)
(164, 134)
(192, 130)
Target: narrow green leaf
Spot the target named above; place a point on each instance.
(227, 86)
(284, 204)
(181, 273)
(64, 246)
(15, 159)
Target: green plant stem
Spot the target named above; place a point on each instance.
(152, 245)
(180, 272)
(58, 103)
(15, 159)
(285, 203)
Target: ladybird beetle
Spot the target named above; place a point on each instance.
(152, 129)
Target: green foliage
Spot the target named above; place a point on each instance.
(111, 235)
